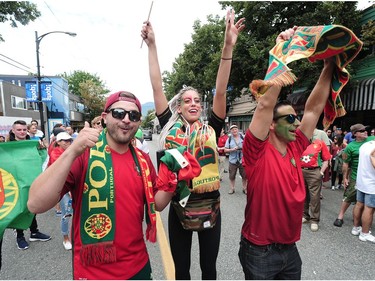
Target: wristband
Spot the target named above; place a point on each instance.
(226, 58)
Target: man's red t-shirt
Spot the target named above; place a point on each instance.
(131, 252)
(275, 191)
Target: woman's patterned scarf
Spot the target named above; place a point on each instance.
(202, 145)
(313, 43)
(98, 204)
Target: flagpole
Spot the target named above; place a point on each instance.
(148, 18)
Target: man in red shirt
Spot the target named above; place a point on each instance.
(111, 182)
(314, 162)
(272, 149)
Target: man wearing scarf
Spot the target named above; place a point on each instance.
(112, 185)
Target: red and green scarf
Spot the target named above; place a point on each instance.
(313, 43)
(201, 143)
(98, 204)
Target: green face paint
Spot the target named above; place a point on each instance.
(282, 130)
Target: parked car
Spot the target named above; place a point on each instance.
(147, 134)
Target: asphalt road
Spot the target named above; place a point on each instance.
(332, 253)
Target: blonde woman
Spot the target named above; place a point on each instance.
(180, 120)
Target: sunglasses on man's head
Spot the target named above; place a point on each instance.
(290, 118)
(119, 113)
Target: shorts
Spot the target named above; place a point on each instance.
(350, 194)
(367, 199)
(233, 171)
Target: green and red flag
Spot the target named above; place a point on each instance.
(20, 163)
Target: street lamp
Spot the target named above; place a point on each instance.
(40, 103)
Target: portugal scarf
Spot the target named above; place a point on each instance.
(313, 43)
(201, 143)
(97, 221)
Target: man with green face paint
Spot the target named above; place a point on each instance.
(272, 149)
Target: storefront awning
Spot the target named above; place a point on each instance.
(246, 108)
(362, 98)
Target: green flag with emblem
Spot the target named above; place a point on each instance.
(20, 163)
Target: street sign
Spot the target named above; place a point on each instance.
(31, 88)
(46, 88)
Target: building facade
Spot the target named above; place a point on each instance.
(63, 108)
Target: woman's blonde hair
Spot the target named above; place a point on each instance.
(173, 104)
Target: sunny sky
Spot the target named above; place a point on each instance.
(108, 39)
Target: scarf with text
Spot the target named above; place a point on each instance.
(97, 222)
(201, 143)
(313, 43)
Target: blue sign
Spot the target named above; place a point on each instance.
(46, 87)
(31, 88)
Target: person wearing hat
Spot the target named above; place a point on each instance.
(349, 170)
(233, 146)
(112, 183)
(181, 123)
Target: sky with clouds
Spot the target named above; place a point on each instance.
(108, 41)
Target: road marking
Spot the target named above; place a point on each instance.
(165, 251)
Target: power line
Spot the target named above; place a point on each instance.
(28, 71)
(15, 61)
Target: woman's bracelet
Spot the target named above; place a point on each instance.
(226, 58)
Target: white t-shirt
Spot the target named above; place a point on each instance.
(366, 172)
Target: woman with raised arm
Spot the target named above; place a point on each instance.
(180, 120)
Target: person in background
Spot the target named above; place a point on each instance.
(337, 149)
(19, 133)
(113, 186)
(57, 128)
(322, 135)
(347, 138)
(365, 206)
(372, 132)
(329, 134)
(70, 131)
(221, 149)
(276, 192)
(233, 146)
(97, 123)
(181, 126)
(39, 133)
(351, 157)
(63, 141)
(314, 162)
(2, 138)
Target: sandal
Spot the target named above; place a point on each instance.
(231, 191)
(244, 191)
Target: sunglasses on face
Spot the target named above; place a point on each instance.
(361, 131)
(290, 118)
(119, 113)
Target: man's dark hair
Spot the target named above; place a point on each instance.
(19, 122)
(35, 121)
(280, 104)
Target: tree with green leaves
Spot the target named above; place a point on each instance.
(90, 88)
(17, 12)
(147, 121)
(197, 65)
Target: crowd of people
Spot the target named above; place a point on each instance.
(88, 172)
